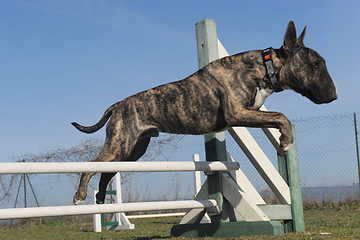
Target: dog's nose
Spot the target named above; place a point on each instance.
(331, 97)
(335, 97)
(334, 94)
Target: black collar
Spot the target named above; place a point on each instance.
(270, 72)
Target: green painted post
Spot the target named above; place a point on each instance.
(289, 170)
(103, 222)
(215, 146)
(206, 40)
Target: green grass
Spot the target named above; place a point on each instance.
(325, 223)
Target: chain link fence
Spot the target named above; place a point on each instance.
(328, 161)
(327, 155)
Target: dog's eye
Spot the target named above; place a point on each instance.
(316, 64)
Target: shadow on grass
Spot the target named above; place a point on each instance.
(152, 237)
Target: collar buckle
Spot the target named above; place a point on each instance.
(270, 72)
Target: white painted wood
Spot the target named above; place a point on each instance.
(203, 194)
(121, 218)
(241, 201)
(262, 164)
(277, 212)
(221, 50)
(117, 186)
(197, 176)
(80, 167)
(97, 217)
(272, 134)
(14, 213)
(156, 215)
(118, 197)
(193, 216)
(245, 185)
(124, 222)
(233, 174)
(190, 215)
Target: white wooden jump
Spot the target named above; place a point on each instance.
(28, 168)
(81, 167)
(14, 213)
(122, 221)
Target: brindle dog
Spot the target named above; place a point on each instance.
(226, 93)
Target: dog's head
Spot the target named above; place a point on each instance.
(304, 70)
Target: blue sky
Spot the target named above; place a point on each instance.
(64, 61)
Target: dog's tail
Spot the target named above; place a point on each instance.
(97, 126)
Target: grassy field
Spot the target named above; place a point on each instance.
(340, 223)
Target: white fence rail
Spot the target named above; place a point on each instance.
(14, 213)
(81, 167)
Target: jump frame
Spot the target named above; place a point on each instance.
(28, 168)
(120, 221)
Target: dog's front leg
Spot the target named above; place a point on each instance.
(255, 118)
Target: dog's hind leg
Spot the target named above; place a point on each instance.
(104, 181)
(137, 152)
(81, 193)
(113, 149)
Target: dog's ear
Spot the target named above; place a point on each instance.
(300, 40)
(290, 37)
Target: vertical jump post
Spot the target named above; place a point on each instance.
(289, 170)
(215, 146)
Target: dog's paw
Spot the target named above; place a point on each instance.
(284, 149)
(100, 197)
(285, 144)
(78, 199)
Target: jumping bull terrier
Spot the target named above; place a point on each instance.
(226, 93)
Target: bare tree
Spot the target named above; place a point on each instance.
(85, 151)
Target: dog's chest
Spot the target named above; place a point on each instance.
(260, 97)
